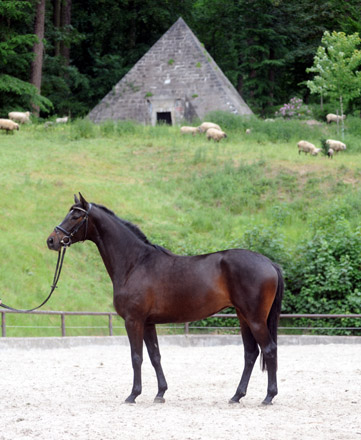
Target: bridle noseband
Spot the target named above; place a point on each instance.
(66, 240)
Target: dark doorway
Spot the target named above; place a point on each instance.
(164, 118)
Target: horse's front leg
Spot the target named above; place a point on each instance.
(151, 341)
(135, 330)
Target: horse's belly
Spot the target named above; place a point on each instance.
(185, 305)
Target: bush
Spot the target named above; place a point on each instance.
(326, 274)
(283, 130)
(83, 129)
(230, 121)
(295, 109)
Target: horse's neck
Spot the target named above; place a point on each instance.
(117, 246)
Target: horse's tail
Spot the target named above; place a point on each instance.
(274, 315)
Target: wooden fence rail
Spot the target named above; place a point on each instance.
(110, 316)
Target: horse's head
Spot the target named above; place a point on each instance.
(73, 228)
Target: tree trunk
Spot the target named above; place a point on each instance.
(56, 21)
(271, 78)
(240, 84)
(342, 121)
(132, 35)
(38, 49)
(65, 23)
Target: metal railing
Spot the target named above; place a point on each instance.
(187, 326)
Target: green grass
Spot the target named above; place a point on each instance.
(185, 193)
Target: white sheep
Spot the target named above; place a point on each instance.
(8, 125)
(330, 153)
(335, 145)
(248, 131)
(307, 147)
(63, 120)
(331, 117)
(189, 130)
(215, 134)
(206, 125)
(21, 117)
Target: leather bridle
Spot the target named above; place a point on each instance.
(66, 241)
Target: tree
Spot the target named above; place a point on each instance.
(37, 63)
(16, 40)
(336, 66)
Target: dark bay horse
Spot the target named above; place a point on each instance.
(152, 286)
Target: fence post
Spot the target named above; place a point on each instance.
(110, 324)
(62, 324)
(186, 328)
(3, 324)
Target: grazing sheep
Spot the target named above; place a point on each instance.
(189, 130)
(63, 120)
(21, 117)
(8, 125)
(335, 145)
(206, 125)
(307, 147)
(248, 131)
(330, 153)
(215, 134)
(331, 117)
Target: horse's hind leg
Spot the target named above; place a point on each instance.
(151, 341)
(269, 353)
(251, 352)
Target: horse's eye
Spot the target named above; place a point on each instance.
(75, 215)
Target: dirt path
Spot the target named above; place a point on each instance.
(78, 393)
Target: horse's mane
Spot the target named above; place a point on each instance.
(132, 227)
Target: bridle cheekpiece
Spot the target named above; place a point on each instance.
(66, 241)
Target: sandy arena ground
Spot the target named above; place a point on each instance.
(78, 393)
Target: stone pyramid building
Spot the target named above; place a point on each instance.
(175, 81)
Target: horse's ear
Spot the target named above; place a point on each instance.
(76, 200)
(84, 203)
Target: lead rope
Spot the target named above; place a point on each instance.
(59, 265)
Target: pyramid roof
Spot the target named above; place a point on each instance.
(175, 80)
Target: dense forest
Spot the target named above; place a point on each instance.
(74, 51)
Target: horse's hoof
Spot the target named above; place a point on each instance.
(232, 402)
(267, 402)
(159, 400)
(130, 400)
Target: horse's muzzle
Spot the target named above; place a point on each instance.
(53, 242)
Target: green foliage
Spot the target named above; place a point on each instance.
(16, 93)
(83, 129)
(326, 273)
(268, 241)
(230, 121)
(61, 84)
(15, 58)
(336, 65)
(265, 131)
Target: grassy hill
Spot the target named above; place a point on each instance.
(185, 193)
